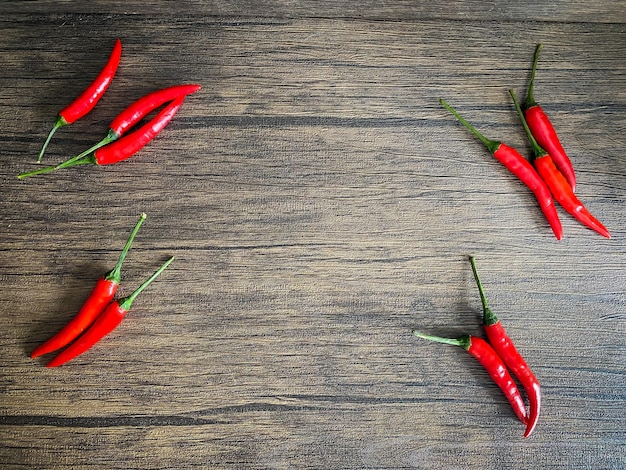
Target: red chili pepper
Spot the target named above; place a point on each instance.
(106, 322)
(100, 297)
(503, 345)
(559, 187)
(521, 168)
(122, 148)
(543, 130)
(138, 110)
(88, 98)
(489, 359)
(130, 144)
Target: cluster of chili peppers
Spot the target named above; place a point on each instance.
(99, 315)
(551, 174)
(116, 146)
(498, 355)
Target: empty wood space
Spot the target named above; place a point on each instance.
(320, 205)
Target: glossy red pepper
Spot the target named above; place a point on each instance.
(106, 322)
(493, 364)
(559, 187)
(122, 148)
(98, 299)
(131, 143)
(503, 345)
(543, 130)
(89, 97)
(138, 110)
(521, 168)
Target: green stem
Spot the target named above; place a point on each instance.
(530, 98)
(463, 341)
(492, 145)
(60, 122)
(85, 157)
(115, 274)
(74, 161)
(126, 302)
(537, 150)
(110, 136)
(488, 316)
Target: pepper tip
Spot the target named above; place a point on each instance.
(529, 431)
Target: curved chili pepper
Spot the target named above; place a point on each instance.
(503, 345)
(138, 110)
(489, 359)
(98, 299)
(88, 98)
(106, 322)
(122, 148)
(543, 130)
(130, 144)
(521, 168)
(559, 187)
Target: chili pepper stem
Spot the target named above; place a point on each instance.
(74, 161)
(530, 98)
(537, 150)
(126, 302)
(111, 136)
(463, 341)
(60, 122)
(115, 274)
(492, 145)
(489, 318)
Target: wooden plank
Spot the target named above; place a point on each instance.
(573, 11)
(320, 205)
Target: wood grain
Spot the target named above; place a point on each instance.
(320, 205)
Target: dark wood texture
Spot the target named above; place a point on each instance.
(320, 205)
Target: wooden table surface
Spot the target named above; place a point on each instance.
(320, 205)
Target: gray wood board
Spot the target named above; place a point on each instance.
(320, 204)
